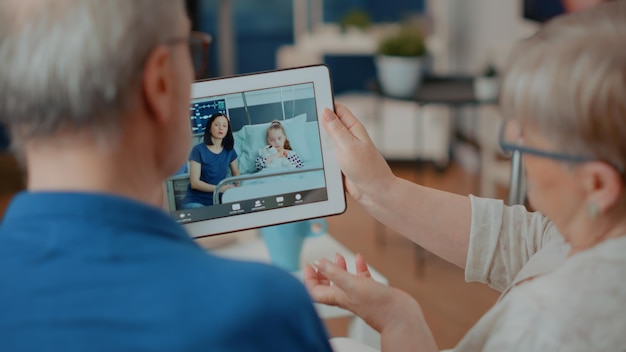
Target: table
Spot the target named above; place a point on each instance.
(449, 91)
(247, 245)
(452, 90)
(456, 92)
(459, 91)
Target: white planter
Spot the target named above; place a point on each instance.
(399, 76)
(486, 88)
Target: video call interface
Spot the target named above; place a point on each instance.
(276, 150)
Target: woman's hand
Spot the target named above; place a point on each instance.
(332, 284)
(392, 312)
(226, 187)
(365, 169)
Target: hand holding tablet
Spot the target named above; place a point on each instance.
(238, 180)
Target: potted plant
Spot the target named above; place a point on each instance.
(355, 20)
(400, 60)
(487, 85)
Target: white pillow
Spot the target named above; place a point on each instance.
(250, 138)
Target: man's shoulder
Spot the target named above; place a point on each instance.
(248, 287)
(260, 276)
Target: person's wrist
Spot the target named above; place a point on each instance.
(385, 311)
(406, 326)
(395, 308)
(376, 192)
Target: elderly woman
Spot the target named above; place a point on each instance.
(561, 270)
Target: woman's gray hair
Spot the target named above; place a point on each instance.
(69, 65)
(568, 82)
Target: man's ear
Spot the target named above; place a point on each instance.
(157, 83)
(603, 184)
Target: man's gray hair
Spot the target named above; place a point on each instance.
(69, 65)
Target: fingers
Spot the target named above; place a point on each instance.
(361, 266)
(343, 126)
(310, 277)
(336, 128)
(341, 261)
(314, 277)
(332, 284)
(309, 273)
(346, 116)
(340, 264)
(319, 286)
(337, 275)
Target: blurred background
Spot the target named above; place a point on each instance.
(442, 134)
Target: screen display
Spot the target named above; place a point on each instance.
(542, 10)
(251, 151)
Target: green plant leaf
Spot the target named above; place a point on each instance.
(408, 41)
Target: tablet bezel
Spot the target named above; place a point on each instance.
(319, 75)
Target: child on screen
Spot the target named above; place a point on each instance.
(278, 152)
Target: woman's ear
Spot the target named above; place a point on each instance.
(157, 83)
(603, 184)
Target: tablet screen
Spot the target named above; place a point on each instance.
(256, 156)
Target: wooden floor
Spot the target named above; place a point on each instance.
(451, 306)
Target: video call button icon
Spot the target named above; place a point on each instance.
(236, 206)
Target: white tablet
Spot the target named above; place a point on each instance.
(259, 154)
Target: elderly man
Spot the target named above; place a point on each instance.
(95, 94)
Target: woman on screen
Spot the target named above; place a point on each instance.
(277, 153)
(209, 162)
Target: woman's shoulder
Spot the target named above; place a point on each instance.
(579, 305)
(199, 146)
(589, 284)
(231, 151)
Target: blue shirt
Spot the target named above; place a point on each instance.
(96, 272)
(213, 169)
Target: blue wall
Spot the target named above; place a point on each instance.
(380, 11)
(262, 26)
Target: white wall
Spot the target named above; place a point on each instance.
(468, 33)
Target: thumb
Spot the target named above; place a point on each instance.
(336, 128)
(344, 128)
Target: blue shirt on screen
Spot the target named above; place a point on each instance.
(213, 169)
(96, 272)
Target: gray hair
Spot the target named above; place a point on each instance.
(569, 83)
(69, 65)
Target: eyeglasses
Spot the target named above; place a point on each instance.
(511, 140)
(198, 49)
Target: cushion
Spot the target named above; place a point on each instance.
(250, 138)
